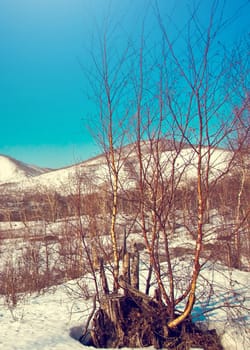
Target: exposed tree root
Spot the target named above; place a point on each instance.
(125, 321)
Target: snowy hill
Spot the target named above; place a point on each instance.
(95, 170)
(12, 170)
(67, 180)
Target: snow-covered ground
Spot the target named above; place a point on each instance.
(44, 321)
(227, 310)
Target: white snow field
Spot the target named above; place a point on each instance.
(44, 321)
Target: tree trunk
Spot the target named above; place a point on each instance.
(128, 321)
(136, 320)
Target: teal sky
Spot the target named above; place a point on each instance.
(43, 104)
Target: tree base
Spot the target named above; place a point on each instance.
(127, 321)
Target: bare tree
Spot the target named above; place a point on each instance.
(111, 79)
(179, 103)
(241, 147)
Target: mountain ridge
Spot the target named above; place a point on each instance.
(95, 171)
(13, 170)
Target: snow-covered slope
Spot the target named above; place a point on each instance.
(12, 170)
(95, 171)
(67, 180)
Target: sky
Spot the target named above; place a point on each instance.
(44, 45)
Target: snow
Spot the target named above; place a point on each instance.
(12, 170)
(44, 321)
(41, 322)
(229, 305)
(95, 171)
